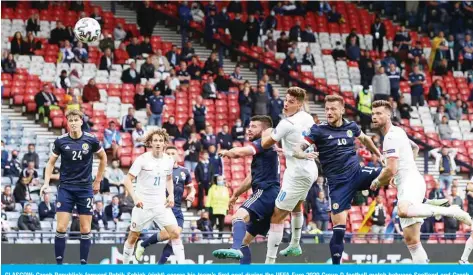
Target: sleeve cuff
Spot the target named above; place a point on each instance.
(253, 148)
(308, 141)
(54, 154)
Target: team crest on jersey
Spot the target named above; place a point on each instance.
(335, 206)
(85, 148)
(183, 175)
(349, 133)
(58, 205)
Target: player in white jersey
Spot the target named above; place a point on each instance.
(298, 177)
(400, 153)
(153, 173)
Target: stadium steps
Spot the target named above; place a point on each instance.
(170, 35)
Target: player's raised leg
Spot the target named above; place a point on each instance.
(239, 220)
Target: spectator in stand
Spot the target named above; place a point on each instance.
(75, 79)
(469, 197)
(140, 98)
(404, 109)
(147, 69)
(236, 77)
(260, 101)
(338, 53)
(378, 31)
(13, 166)
(308, 58)
(115, 175)
(416, 81)
(209, 137)
(32, 25)
(138, 135)
(91, 92)
(58, 34)
(268, 87)
(200, 112)
(316, 119)
(183, 75)
(210, 89)
(276, 106)
(215, 160)
(62, 81)
(445, 131)
(187, 52)
(320, 211)
(188, 128)
(270, 22)
(173, 56)
(334, 17)
(295, 32)
(379, 218)
(147, 18)
(211, 65)
(31, 44)
(131, 75)
(28, 220)
(134, 49)
(381, 85)
(211, 25)
(205, 225)
(455, 112)
(396, 114)
(22, 192)
(282, 43)
(203, 175)
(161, 63)
(245, 100)
(290, 63)
(416, 52)
(107, 42)
(194, 69)
(99, 215)
(46, 100)
(29, 175)
(237, 29)
(113, 211)
(197, 14)
(269, 44)
(353, 50)
(394, 76)
(154, 108)
(445, 164)
(31, 156)
(112, 139)
(96, 15)
(46, 209)
(238, 131)
(129, 121)
(223, 19)
(172, 129)
(467, 53)
(364, 101)
(106, 60)
(252, 31)
(8, 201)
(65, 53)
(174, 82)
(352, 34)
(80, 53)
(9, 64)
(437, 192)
(192, 148)
(221, 82)
(126, 202)
(308, 35)
(224, 139)
(145, 46)
(435, 91)
(218, 202)
(441, 112)
(402, 40)
(442, 68)
(119, 33)
(164, 86)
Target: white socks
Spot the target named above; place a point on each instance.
(419, 256)
(274, 239)
(127, 252)
(426, 210)
(178, 249)
(297, 220)
(468, 249)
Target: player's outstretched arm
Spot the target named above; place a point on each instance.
(298, 151)
(238, 152)
(170, 189)
(49, 171)
(368, 142)
(129, 187)
(386, 175)
(100, 173)
(267, 141)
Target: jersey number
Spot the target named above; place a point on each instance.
(156, 181)
(342, 141)
(89, 203)
(76, 155)
(177, 179)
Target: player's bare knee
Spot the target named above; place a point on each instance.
(133, 237)
(164, 235)
(279, 215)
(174, 234)
(241, 214)
(411, 240)
(402, 210)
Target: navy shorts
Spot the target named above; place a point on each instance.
(342, 191)
(70, 196)
(179, 216)
(261, 207)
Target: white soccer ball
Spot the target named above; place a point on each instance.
(87, 30)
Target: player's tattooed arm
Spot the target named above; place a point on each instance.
(299, 152)
(368, 142)
(415, 148)
(129, 187)
(47, 175)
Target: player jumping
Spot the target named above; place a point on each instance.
(410, 183)
(182, 179)
(76, 150)
(153, 171)
(253, 217)
(298, 177)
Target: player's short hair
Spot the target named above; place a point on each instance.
(171, 148)
(383, 103)
(74, 113)
(266, 120)
(160, 131)
(298, 93)
(335, 98)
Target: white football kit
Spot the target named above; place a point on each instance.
(409, 182)
(300, 174)
(151, 180)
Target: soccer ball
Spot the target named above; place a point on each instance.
(87, 30)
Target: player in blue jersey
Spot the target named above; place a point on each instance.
(254, 216)
(76, 150)
(335, 142)
(182, 179)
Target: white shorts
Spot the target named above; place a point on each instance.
(142, 218)
(294, 189)
(411, 190)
